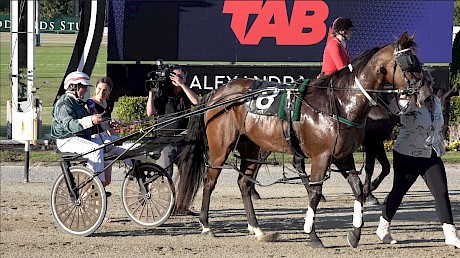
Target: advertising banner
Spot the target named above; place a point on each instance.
(65, 24)
(270, 30)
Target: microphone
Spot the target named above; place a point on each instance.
(91, 106)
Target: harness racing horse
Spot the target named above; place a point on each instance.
(330, 129)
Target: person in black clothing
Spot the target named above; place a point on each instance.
(104, 132)
(102, 105)
(174, 99)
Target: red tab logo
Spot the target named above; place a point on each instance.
(306, 27)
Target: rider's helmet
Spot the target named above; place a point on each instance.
(341, 24)
(75, 78)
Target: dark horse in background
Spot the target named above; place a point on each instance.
(330, 129)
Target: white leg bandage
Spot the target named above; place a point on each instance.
(205, 230)
(309, 218)
(250, 229)
(256, 231)
(358, 215)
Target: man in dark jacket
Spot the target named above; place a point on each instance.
(71, 122)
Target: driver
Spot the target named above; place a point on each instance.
(72, 124)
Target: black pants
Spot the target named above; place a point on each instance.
(406, 171)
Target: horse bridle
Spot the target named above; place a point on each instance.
(408, 63)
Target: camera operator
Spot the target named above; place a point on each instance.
(172, 97)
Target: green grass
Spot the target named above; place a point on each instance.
(51, 61)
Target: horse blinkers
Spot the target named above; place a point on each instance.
(408, 63)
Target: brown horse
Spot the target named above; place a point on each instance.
(330, 129)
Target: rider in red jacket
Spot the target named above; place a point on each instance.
(336, 55)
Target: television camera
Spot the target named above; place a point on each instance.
(159, 77)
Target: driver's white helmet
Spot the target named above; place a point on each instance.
(75, 78)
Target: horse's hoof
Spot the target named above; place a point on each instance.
(315, 243)
(352, 239)
(323, 199)
(208, 234)
(268, 237)
(371, 201)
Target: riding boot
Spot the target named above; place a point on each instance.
(450, 232)
(383, 232)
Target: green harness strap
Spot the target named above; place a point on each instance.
(297, 103)
(350, 123)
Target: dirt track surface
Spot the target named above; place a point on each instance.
(28, 229)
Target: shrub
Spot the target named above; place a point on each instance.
(454, 114)
(131, 113)
(388, 145)
(453, 146)
(131, 108)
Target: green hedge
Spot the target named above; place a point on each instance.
(454, 115)
(131, 113)
(132, 108)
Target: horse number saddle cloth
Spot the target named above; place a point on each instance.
(273, 102)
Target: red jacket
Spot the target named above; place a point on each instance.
(335, 57)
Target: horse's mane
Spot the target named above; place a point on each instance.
(360, 62)
(342, 77)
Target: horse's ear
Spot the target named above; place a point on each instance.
(412, 38)
(403, 39)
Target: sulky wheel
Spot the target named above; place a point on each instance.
(152, 207)
(83, 216)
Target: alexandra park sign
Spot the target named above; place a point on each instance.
(63, 24)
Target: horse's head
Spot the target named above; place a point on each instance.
(402, 68)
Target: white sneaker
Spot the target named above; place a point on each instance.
(383, 232)
(450, 232)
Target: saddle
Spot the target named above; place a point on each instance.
(273, 102)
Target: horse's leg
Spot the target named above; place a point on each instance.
(209, 185)
(354, 181)
(314, 196)
(315, 187)
(263, 154)
(354, 236)
(246, 187)
(371, 150)
(219, 149)
(299, 164)
(386, 167)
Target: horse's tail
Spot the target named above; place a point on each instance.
(191, 162)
